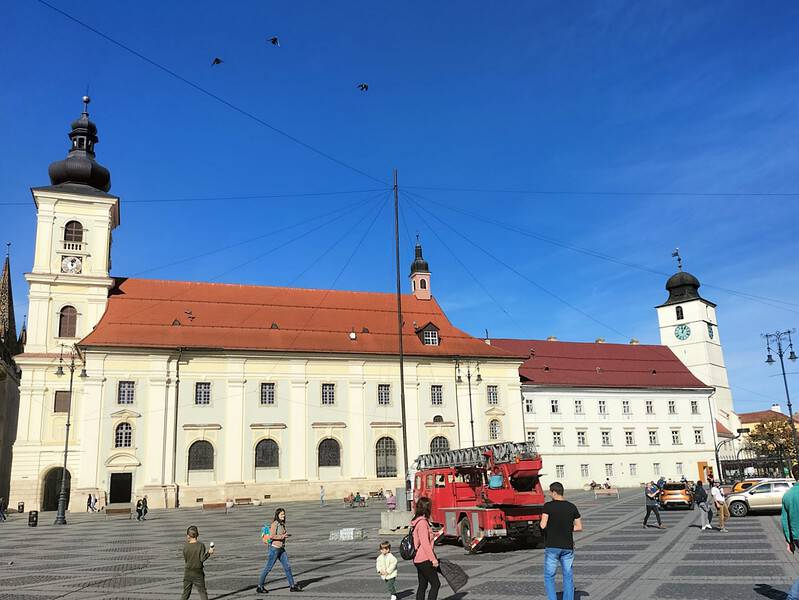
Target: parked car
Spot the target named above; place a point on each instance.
(744, 485)
(766, 495)
(676, 494)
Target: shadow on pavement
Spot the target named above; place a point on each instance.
(767, 591)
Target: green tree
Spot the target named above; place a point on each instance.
(771, 437)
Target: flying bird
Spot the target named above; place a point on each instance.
(363, 87)
(216, 61)
(274, 41)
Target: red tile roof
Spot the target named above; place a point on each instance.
(759, 416)
(579, 364)
(141, 313)
(723, 431)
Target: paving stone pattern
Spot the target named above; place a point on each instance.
(96, 558)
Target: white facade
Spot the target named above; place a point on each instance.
(630, 436)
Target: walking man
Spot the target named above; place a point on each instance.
(651, 493)
(559, 520)
(701, 499)
(721, 506)
(790, 529)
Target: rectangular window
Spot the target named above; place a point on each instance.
(61, 402)
(633, 469)
(560, 471)
(383, 394)
(492, 392)
(578, 407)
(553, 405)
(430, 337)
(529, 406)
(698, 437)
(531, 437)
(603, 407)
(650, 410)
(436, 395)
(328, 394)
(557, 438)
(584, 472)
(653, 437)
(672, 407)
(202, 392)
(582, 438)
(675, 437)
(694, 407)
(625, 407)
(608, 469)
(629, 438)
(267, 394)
(125, 392)
(679, 468)
(656, 469)
(606, 438)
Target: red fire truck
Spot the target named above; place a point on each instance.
(483, 492)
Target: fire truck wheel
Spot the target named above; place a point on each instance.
(466, 535)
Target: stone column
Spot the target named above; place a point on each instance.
(232, 437)
(355, 467)
(298, 427)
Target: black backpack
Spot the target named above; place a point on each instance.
(407, 547)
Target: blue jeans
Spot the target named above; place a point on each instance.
(793, 593)
(553, 557)
(276, 554)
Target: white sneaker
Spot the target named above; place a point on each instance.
(393, 597)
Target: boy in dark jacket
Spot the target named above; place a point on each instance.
(195, 554)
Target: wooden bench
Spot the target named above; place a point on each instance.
(215, 506)
(242, 501)
(118, 511)
(376, 495)
(606, 492)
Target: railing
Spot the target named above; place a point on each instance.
(73, 246)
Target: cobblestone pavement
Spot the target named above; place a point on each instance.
(95, 558)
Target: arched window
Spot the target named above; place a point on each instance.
(329, 453)
(439, 444)
(73, 232)
(386, 455)
(123, 436)
(679, 313)
(67, 322)
(267, 454)
(201, 456)
(438, 419)
(423, 284)
(494, 429)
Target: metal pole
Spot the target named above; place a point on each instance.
(175, 430)
(788, 397)
(457, 403)
(471, 412)
(401, 354)
(61, 515)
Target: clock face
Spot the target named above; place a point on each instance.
(710, 330)
(681, 332)
(71, 264)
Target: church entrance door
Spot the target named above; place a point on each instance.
(121, 486)
(52, 488)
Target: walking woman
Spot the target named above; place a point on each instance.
(276, 538)
(700, 497)
(425, 561)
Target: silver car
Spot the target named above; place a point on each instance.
(766, 495)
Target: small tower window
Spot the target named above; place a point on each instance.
(73, 232)
(679, 313)
(67, 322)
(423, 284)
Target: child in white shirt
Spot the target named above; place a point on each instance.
(387, 567)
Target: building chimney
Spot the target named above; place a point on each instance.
(776, 408)
(600, 340)
(552, 338)
(634, 342)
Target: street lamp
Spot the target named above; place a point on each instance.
(478, 379)
(777, 338)
(61, 515)
(740, 432)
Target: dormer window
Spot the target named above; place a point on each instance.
(430, 337)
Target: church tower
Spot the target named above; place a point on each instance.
(420, 275)
(689, 327)
(70, 279)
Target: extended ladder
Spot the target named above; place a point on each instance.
(503, 452)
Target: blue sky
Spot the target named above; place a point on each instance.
(645, 98)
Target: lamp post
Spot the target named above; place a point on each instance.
(478, 379)
(777, 338)
(740, 432)
(61, 515)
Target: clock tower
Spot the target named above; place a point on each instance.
(688, 326)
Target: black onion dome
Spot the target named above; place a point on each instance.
(682, 286)
(419, 264)
(79, 166)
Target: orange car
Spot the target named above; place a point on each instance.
(744, 485)
(676, 494)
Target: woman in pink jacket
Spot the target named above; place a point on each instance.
(425, 560)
